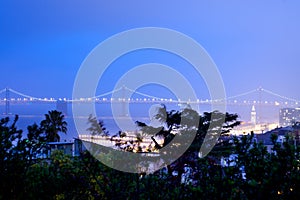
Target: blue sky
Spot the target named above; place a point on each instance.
(253, 42)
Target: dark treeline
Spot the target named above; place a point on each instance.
(254, 172)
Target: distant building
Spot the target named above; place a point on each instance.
(288, 116)
(79, 147)
(66, 147)
(253, 115)
(291, 131)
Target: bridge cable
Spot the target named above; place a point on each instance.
(143, 94)
(2, 90)
(107, 93)
(243, 94)
(280, 96)
(27, 96)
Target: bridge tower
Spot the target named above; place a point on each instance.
(123, 101)
(7, 101)
(62, 106)
(259, 110)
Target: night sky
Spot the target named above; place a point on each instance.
(253, 42)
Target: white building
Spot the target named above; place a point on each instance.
(253, 115)
(288, 116)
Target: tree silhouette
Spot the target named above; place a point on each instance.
(255, 174)
(54, 123)
(181, 124)
(96, 127)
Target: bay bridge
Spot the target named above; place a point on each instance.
(259, 97)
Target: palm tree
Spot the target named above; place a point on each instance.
(54, 123)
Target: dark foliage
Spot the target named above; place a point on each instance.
(254, 174)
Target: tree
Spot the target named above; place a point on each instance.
(35, 143)
(17, 153)
(54, 123)
(11, 161)
(181, 124)
(267, 175)
(96, 127)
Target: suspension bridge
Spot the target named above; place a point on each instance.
(259, 97)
